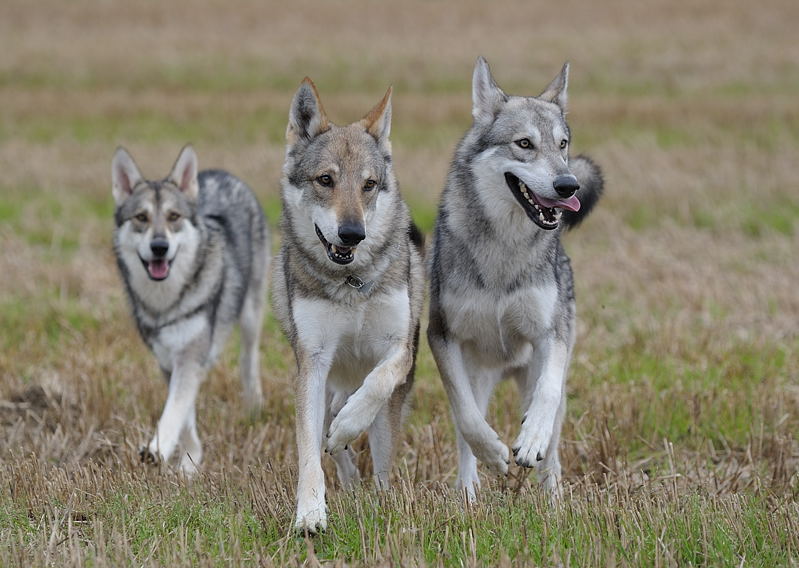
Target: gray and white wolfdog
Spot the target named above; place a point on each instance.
(193, 251)
(348, 287)
(501, 291)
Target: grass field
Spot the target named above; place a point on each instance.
(680, 444)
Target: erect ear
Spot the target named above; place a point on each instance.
(307, 118)
(486, 94)
(556, 90)
(184, 172)
(377, 121)
(124, 175)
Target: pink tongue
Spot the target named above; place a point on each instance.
(572, 203)
(158, 268)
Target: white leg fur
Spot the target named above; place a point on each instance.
(348, 474)
(549, 472)
(537, 432)
(381, 447)
(363, 405)
(311, 512)
(482, 384)
(251, 321)
(469, 419)
(183, 387)
(191, 448)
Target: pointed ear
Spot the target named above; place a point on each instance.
(124, 175)
(486, 94)
(377, 121)
(184, 172)
(556, 90)
(307, 117)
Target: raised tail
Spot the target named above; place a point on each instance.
(589, 175)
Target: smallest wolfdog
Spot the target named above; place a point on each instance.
(193, 251)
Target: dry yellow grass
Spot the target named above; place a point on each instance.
(680, 446)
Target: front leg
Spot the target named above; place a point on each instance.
(538, 436)
(362, 407)
(310, 414)
(184, 384)
(469, 418)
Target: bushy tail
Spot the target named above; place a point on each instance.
(589, 175)
(417, 237)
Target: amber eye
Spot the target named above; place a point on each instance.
(524, 143)
(369, 185)
(325, 180)
(173, 216)
(563, 144)
(142, 217)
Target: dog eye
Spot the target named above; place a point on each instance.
(369, 185)
(173, 216)
(141, 217)
(524, 143)
(563, 143)
(325, 180)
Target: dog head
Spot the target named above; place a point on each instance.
(335, 175)
(154, 219)
(523, 145)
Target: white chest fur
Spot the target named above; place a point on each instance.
(500, 328)
(174, 338)
(356, 337)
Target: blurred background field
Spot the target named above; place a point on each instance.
(680, 445)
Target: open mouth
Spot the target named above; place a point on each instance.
(545, 213)
(158, 268)
(338, 254)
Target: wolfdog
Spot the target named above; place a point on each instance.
(501, 290)
(348, 286)
(193, 250)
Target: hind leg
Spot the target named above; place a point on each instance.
(252, 315)
(348, 474)
(385, 433)
(381, 446)
(482, 386)
(192, 450)
(549, 470)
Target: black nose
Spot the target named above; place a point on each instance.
(351, 233)
(566, 185)
(159, 247)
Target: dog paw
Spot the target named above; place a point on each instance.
(468, 485)
(491, 451)
(188, 467)
(552, 486)
(149, 457)
(348, 424)
(311, 522)
(532, 443)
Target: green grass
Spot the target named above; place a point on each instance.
(212, 528)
